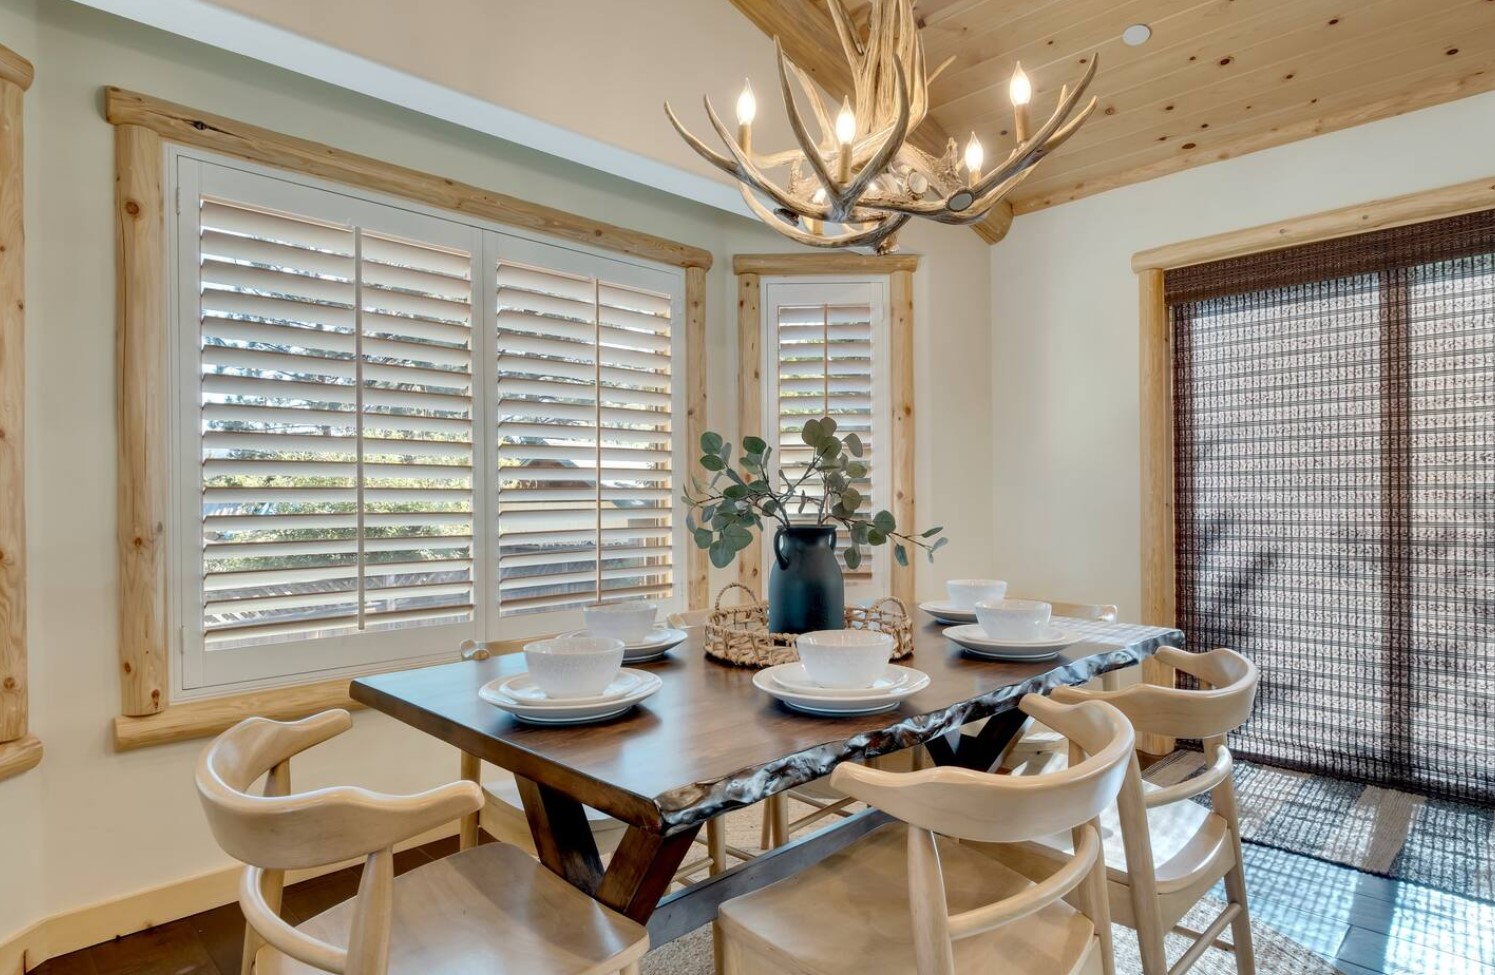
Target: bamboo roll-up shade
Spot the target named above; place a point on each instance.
(1335, 455)
(336, 398)
(584, 448)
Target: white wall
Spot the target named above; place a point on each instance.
(1065, 348)
(90, 825)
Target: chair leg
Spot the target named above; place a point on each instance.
(1240, 925)
(775, 822)
(716, 845)
(467, 829)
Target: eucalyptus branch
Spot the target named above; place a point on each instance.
(728, 515)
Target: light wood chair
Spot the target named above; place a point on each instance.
(911, 898)
(1162, 851)
(1039, 749)
(487, 910)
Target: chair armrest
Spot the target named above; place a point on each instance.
(1219, 771)
(1034, 898)
(281, 936)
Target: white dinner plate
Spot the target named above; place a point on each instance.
(901, 683)
(566, 712)
(524, 689)
(974, 639)
(652, 647)
(946, 611)
(795, 677)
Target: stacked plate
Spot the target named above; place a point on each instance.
(521, 696)
(655, 644)
(946, 611)
(1044, 647)
(791, 684)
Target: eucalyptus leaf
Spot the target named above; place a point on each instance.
(901, 554)
(856, 470)
(703, 538)
(853, 557)
(875, 537)
(713, 463)
(930, 533)
(711, 443)
(735, 492)
(721, 554)
(754, 445)
(738, 537)
(884, 521)
(812, 433)
(854, 444)
(828, 425)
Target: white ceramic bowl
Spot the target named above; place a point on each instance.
(845, 658)
(966, 593)
(629, 622)
(574, 666)
(1013, 619)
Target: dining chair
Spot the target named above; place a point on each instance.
(910, 897)
(1163, 852)
(490, 909)
(1039, 749)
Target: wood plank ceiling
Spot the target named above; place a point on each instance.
(1217, 79)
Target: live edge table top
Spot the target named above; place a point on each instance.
(709, 741)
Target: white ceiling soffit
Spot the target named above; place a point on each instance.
(252, 38)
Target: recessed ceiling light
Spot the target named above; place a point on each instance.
(1136, 35)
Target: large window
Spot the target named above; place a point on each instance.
(395, 430)
(825, 346)
(1335, 428)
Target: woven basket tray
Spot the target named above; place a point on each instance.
(739, 634)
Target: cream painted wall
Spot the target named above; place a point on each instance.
(508, 53)
(90, 825)
(1064, 349)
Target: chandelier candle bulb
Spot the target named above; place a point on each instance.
(747, 109)
(1021, 91)
(975, 156)
(846, 132)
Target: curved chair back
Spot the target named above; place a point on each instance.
(1223, 703)
(283, 831)
(1003, 808)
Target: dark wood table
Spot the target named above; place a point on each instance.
(709, 742)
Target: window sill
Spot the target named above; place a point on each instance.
(20, 755)
(202, 719)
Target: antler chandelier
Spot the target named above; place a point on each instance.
(862, 174)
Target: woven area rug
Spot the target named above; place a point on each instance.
(1275, 953)
(1448, 846)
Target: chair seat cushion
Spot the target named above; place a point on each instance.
(850, 913)
(490, 910)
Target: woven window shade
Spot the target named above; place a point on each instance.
(1335, 493)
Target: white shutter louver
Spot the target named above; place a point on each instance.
(824, 368)
(584, 440)
(336, 399)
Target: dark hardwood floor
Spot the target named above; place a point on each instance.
(1365, 925)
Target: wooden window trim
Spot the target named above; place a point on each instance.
(142, 126)
(1158, 528)
(899, 269)
(19, 749)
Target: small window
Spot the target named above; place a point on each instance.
(825, 350)
(397, 431)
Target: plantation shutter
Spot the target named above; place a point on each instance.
(823, 363)
(336, 429)
(585, 446)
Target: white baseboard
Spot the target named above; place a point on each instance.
(87, 926)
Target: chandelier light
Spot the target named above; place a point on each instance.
(862, 180)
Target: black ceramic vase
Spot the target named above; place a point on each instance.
(805, 588)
